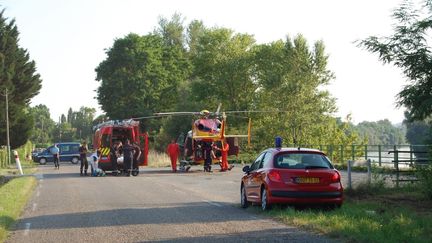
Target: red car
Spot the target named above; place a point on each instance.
(291, 175)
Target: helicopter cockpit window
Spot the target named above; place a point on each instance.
(206, 125)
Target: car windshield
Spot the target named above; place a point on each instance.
(302, 161)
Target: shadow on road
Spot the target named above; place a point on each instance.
(291, 235)
(197, 212)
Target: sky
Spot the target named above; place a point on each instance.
(68, 39)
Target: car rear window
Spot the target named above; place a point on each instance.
(302, 161)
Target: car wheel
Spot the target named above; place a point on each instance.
(264, 200)
(75, 160)
(243, 199)
(42, 161)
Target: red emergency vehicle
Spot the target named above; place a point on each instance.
(108, 133)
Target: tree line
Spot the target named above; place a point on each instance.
(190, 67)
(180, 67)
(74, 126)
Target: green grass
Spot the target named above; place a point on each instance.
(392, 215)
(13, 198)
(28, 168)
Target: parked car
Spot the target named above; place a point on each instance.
(293, 176)
(68, 152)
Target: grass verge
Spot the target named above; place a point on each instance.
(393, 215)
(13, 198)
(158, 160)
(27, 166)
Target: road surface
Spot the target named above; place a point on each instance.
(156, 206)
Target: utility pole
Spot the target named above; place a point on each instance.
(7, 128)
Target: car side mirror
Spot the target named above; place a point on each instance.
(246, 169)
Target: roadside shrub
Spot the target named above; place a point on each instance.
(424, 174)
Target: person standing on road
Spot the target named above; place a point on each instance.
(56, 155)
(173, 152)
(224, 151)
(137, 154)
(208, 156)
(113, 157)
(128, 152)
(83, 157)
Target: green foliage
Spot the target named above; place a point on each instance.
(424, 174)
(362, 222)
(381, 132)
(76, 126)
(82, 122)
(18, 76)
(409, 49)
(418, 132)
(13, 198)
(194, 68)
(140, 76)
(222, 70)
(44, 125)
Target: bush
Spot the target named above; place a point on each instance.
(424, 174)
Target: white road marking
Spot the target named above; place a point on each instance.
(213, 203)
(27, 228)
(34, 206)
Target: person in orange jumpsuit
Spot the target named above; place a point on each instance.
(173, 152)
(224, 151)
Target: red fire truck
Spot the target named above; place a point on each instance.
(108, 133)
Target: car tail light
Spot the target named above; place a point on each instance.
(336, 177)
(274, 176)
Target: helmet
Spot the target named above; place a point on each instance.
(204, 112)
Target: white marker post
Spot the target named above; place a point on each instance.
(18, 163)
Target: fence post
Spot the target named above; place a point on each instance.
(366, 152)
(353, 152)
(369, 170)
(18, 163)
(396, 164)
(379, 155)
(411, 156)
(349, 174)
(342, 154)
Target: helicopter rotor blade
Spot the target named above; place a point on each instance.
(218, 109)
(179, 113)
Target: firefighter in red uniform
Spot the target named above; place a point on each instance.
(224, 151)
(173, 152)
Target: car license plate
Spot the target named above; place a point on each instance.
(307, 180)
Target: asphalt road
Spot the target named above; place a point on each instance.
(156, 206)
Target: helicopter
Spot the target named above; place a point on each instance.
(208, 129)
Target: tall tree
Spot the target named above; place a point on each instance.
(43, 127)
(172, 31)
(291, 79)
(409, 49)
(17, 76)
(83, 122)
(140, 76)
(222, 69)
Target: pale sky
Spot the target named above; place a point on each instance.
(67, 39)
